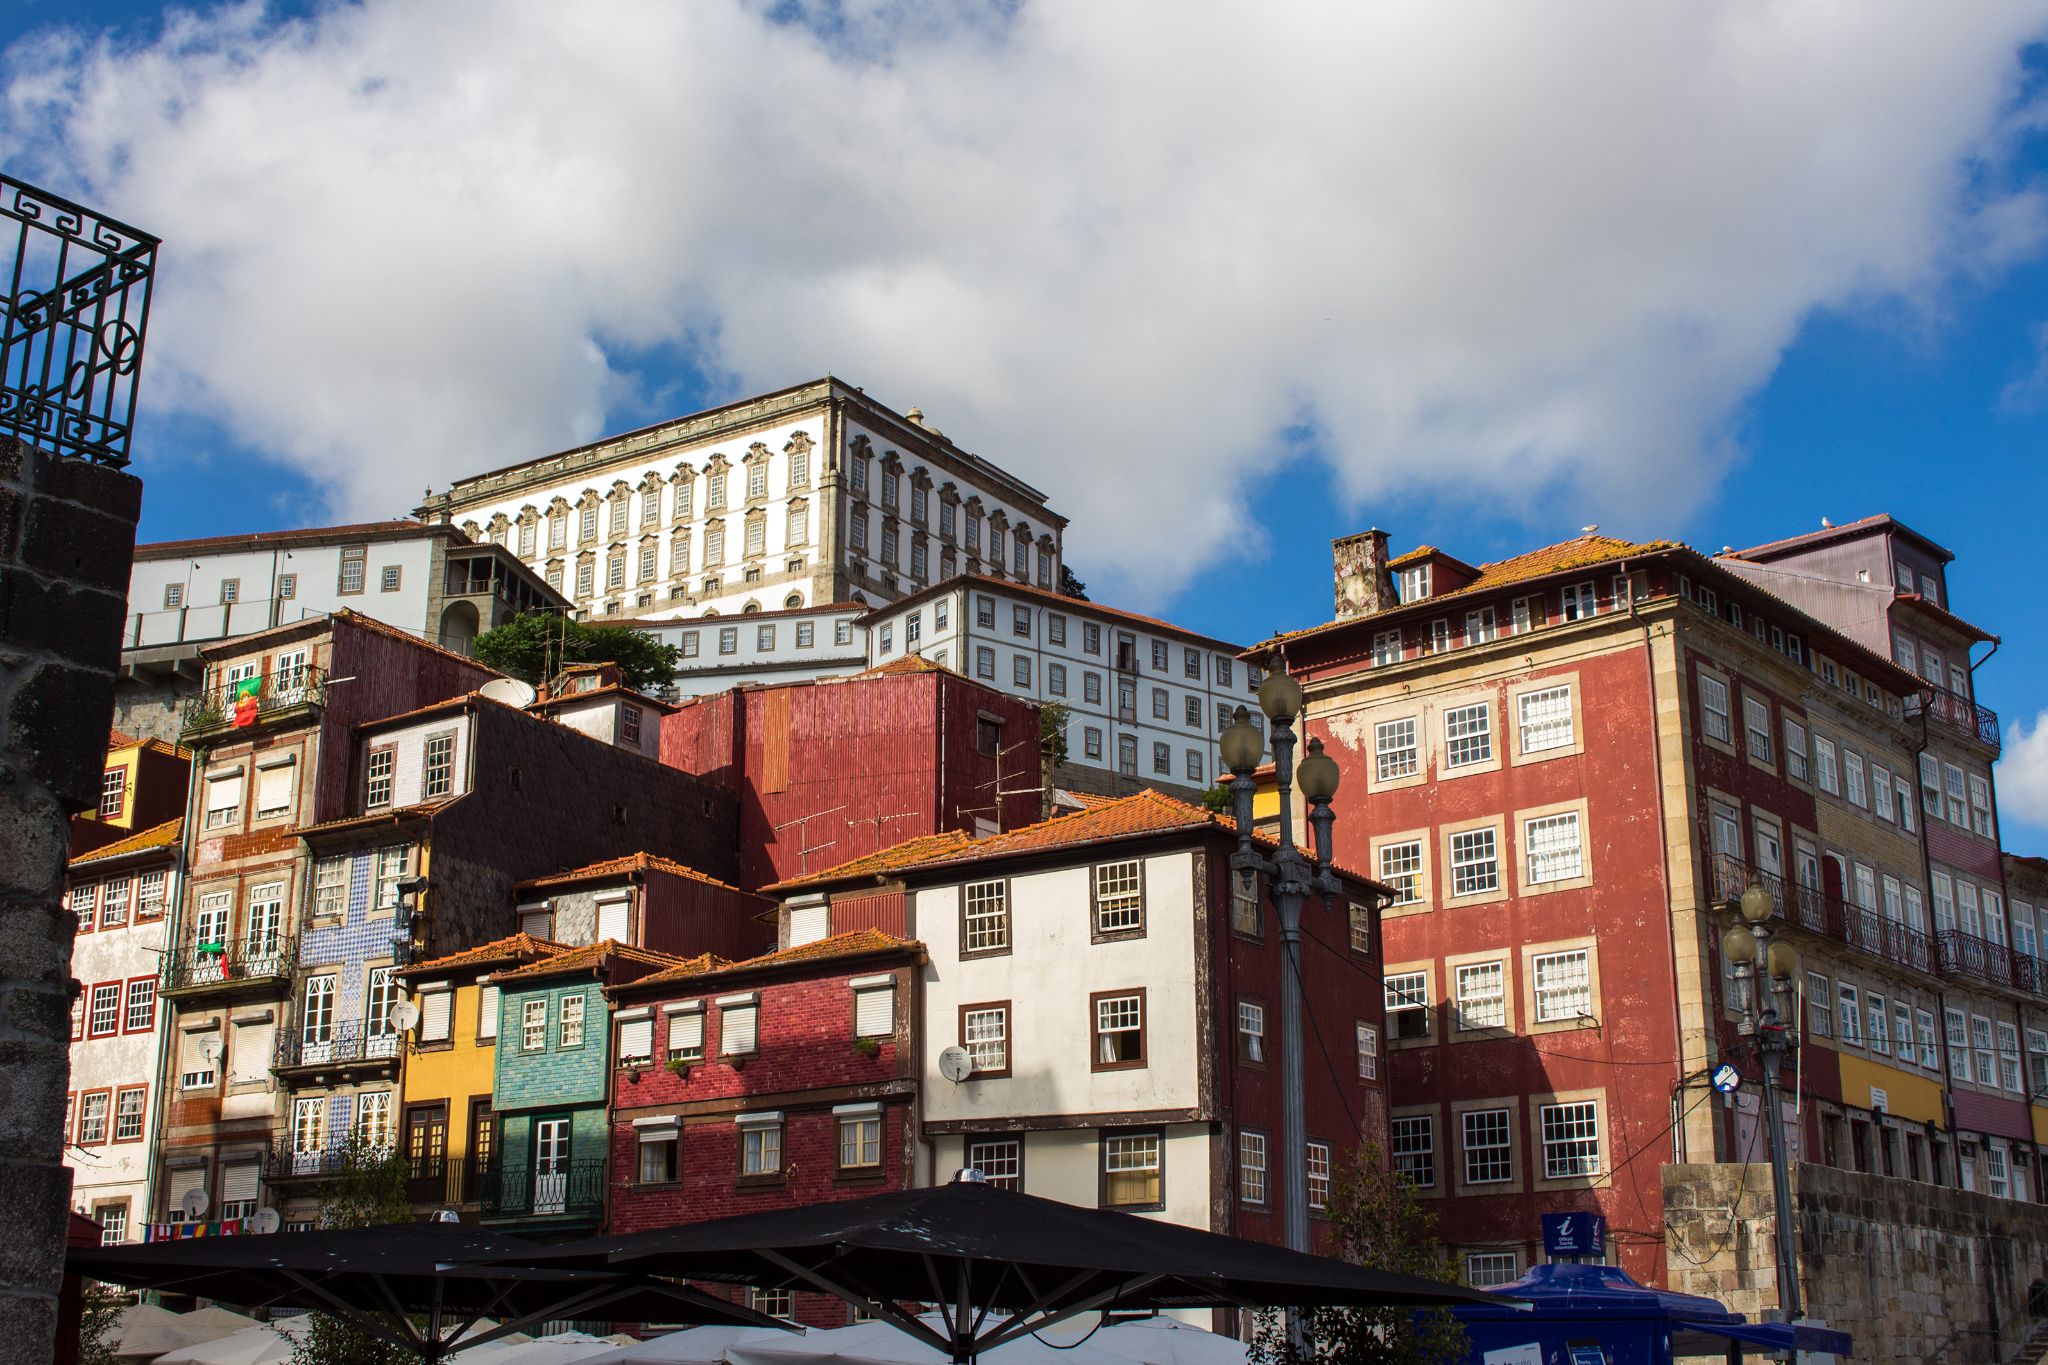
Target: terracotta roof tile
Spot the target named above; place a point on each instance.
(1077, 605)
(608, 690)
(158, 549)
(117, 740)
(378, 817)
(636, 862)
(156, 836)
(856, 943)
(906, 854)
(909, 663)
(589, 957)
(514, 948)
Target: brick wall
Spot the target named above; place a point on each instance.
(67, 534)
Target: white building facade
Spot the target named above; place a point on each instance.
(768, 647)
(814, 494)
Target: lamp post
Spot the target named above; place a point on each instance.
(1294, 877)
(1750, 945)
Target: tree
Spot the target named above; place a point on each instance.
(1220, 799)
(99, 1325)
(1052, 730)
(534, 646)
(1376, 1222)
(367, 1190)
(1071, 586)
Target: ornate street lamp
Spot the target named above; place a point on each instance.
(1770, 1025)
(1293, 878)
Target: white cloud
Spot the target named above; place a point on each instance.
(2021, 774)
(1549, 248)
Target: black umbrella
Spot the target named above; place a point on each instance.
(381, 1279)
(976, 1252)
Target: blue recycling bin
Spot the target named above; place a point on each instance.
(1583, 1314)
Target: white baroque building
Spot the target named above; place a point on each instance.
(811, 495)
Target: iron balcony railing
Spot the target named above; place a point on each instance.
(352, 1042)
(565, 1189)
(443, 1181)
(1957, 713)
(1965, 954)
(233, 704)
(234, 962)
(284, 1162)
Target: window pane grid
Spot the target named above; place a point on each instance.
(1555, 850)
(1414, 1150)
(988, 917)
(1119, 899)
(1394, 746)
(988, 1039)
(1468, 735)
(1546, 719)
(1401, 869)
(1482, 998)
(1564, 986)
(1489, 1156)
(1571, 1139)
(1475, 867)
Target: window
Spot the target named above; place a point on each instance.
(1133, 1171)
(1091, 688)
(1546, 719)
(174, 596)
(1475, 863)
(230, 591)
(1756, 719)
(1159, 656)
(1318, 1164)
(1119, 898)
(1119, 1029)
(2037, 1061)
(1251, 1166)
(379, 766)
(1413, 1139)
(223, 799)
(1958, 808)
(986, 913)
(739, 1026)
(1554, 847)
(1159, 703)
(686, 1033)
(1407, 1004)
(1401, 869)
(387, 578)
(985, 1033)
(1480, 626)
(1714, 709)
(1251, 1032)
(1091, 742)
(1489, 1149)
(1468, 735)
(1820, 1006)
(860, 1141)
(354, 565)
(2009, 1058)
(1879, 1034)
(438, 777)
(128, 1111)
(1412, 585)
(1852, 774)
(149, 895)
(1995, 1171)
(533, 1025)
(1481, 996)
(1563, 986)
(114, 903)
(1824, 765)
(1980, 805)
(93, 1107)
(140, 1015)
(760, 1146)
(1571, 1139)
(1795, 749)
(657, 1154)
(1020, 669)
(1577, 602)
(1162, 757)
(1056, 679)
(113, 793)
(984, 662)
(1929, 1056)
(330, 885)
(1244, 902)
(1902, 1028)
(83, 901)
(1394, 749)
(1490, 1269)
(1386, 647)
(104, 1016)
(1848, 1015)
(1366, 1039)
(1358, 920)
(1000, 1160)
(1958, 1045)
(1439, 636)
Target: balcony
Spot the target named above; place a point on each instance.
(222, 708)
(354, 1042)
(1956, 713)
(573, 1189)
(1965, 954)
(282, 1163)
(237, 965)
(439, 1182)
(1829, 916)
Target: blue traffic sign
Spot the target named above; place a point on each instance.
(1575, 1234)
(1727, 1079)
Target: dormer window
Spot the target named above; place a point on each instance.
(1414, 584)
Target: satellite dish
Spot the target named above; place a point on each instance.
(194, 1204)
(404, 1015)
(210, 1050)
(510, 691)
(956, 1063)
(266, 1221)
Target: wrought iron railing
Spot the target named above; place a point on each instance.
(517, 1190)
(240, 961)
(348, 1043)
(1957, 712)
(1830, 916)
(441, 1181)
(284, 1162)
(1964, 954)
(72, 322)
(233, 704)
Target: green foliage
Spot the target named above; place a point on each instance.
(367, 1189)
(99, 1325)
(535, 646)
(1052, 730)
(1219, 799)
(1376, 1222)
(1071, 586)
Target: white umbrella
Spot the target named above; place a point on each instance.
(264, 1344)
(690, 1346)
(559, 1349)
(1169, 1341)
(880, 1343)
(148, 1331)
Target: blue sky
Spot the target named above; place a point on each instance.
(1865, 334)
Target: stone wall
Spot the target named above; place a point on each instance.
(1914, 1272)
(67, 533)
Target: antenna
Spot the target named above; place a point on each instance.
(997, 783)
(879, 820)
(803, 822)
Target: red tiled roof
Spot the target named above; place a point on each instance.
(608, 690)
(909, 663)
(620, 867)
(857, 943)
(1077, 605)
(514, 948)
(590, 957)
(1148, 812)
(378, 817)
(734, 618)
(160, 549)
(117, 740)
(1946, 617)
(156, 836)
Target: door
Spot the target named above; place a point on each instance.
(266, 923)
(210, 939)
(483, 1145)
(288, 677)
(550, 1165)
(316, 1021)
(426, 1153)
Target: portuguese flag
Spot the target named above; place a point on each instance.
(245, 700)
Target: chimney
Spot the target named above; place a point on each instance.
(1364, 585)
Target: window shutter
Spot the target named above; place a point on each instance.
(238, 1182)
(686, 1033)
(737, 1029)
(274, 788)
(184, 1180)
(534, 921)
(436, 1012)
(487, 1013)
(613, 920)
(224, 792)
(808, 924)
(192, 1056)
(253, 1045)
(874, 1012)
(636, 1039)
